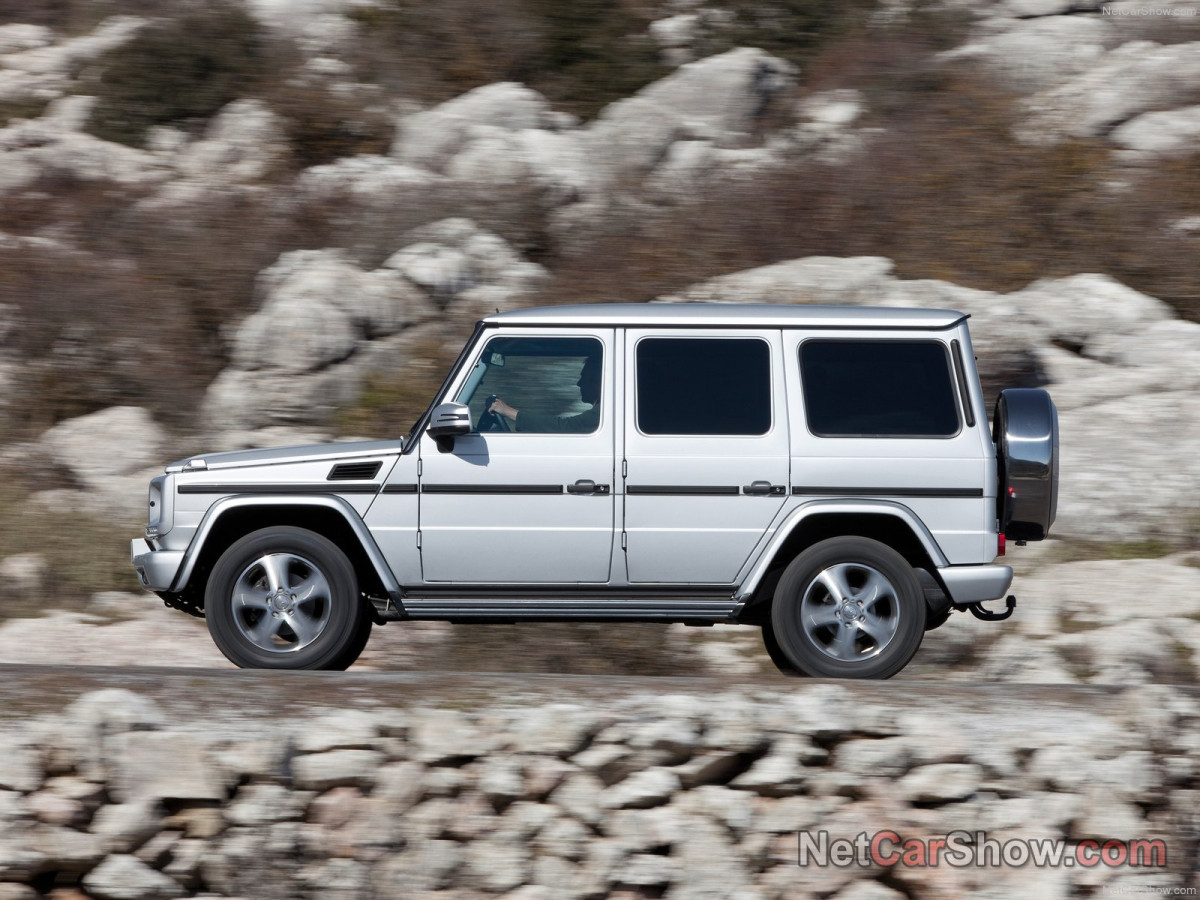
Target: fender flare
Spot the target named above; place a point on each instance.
(332, 502)
(808, 510)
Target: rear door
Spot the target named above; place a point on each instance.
(705, 451)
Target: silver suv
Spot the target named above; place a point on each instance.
(824, 473)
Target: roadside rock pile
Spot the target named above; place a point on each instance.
(586, 790)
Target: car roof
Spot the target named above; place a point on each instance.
(707, 315)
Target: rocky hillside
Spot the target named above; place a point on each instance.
(255, 223)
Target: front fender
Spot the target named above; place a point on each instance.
(806, 511)
(328, 501)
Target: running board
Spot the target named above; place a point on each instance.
(574, 609)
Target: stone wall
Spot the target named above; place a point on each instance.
(131, 784)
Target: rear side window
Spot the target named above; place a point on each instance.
(703, 386)
(878, 388)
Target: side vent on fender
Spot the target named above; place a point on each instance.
(356, 471)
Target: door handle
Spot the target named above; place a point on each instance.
(764, 489)
(586, 486)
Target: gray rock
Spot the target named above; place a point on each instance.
(164, 765)
(242, 143)
(22, 574)
(123, 877)
(123, 827)
(441, 736)
(1040, 53)
(778, 774)
(20, 768)
(718, 99)
(259, 804)
(497, 865)
(1137, 77)
(18, 892)
(940, 783)
(1156, 134)
(346, 729)
(641, 790)
(321, 771)
(72, 852)
(116, 441)
(579, 796)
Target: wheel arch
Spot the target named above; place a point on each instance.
(888, 522)
(330, 516)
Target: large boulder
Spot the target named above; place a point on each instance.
(1173, 132)
(243, 142)
(720, 99)
(1036, 54)
(34, 68)
(1137, 77)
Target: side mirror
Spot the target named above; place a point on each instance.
(449, 420)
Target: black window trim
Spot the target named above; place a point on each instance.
(911, 339)
(496, 332)
(637, 424)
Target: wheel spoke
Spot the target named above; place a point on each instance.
(263, 631)
(314, 587)
(874, 588)
(306, 627)
(878, 627)
(834, 580)
(820, 617)
(842, 645)
(275, 566)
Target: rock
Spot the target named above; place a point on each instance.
(321, 771)
(1036, 54)
(18, 892)
(778, 774)
(579, 796)
(55, 809)
(22, 574)
(16, 38)
(650, 787)
(117, 441)
(941, 783)
(430, 139)
(1155, 134)
(242, 143)
(868, 890)
(259, 804)
(127, 878)
(20, 766)
(123, 827)
(718, 99)
(443, 736)
(1137, 77)
(345, 729)
(164, 765)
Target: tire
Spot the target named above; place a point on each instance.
(285, 598)
(849, 607)
(356, 647)
(771, 643)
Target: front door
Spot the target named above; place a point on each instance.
(527, 497)
(706, 452)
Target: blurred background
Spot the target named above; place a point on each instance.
(230, 224)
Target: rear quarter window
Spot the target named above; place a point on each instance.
(878, 388)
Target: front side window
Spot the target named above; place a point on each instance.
(703, 386)
(878, 388)
(538, 385)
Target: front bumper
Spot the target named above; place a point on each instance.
(156, 569)
(975, 584)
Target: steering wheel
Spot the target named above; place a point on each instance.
(492, 421)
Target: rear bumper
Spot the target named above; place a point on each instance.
(975, 584)
(156, 569)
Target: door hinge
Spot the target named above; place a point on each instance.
(418, 540)
(420, 466)
(624, 468)
(624, 540)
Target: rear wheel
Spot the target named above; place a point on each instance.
(849, 607)
(286, 598)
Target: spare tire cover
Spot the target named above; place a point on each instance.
(1025, 430)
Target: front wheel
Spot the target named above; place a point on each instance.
(285, 598)
(849, 607)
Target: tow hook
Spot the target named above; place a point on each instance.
(979, 611)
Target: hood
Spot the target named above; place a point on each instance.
(274, 455)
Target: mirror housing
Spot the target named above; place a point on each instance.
(448, 421)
